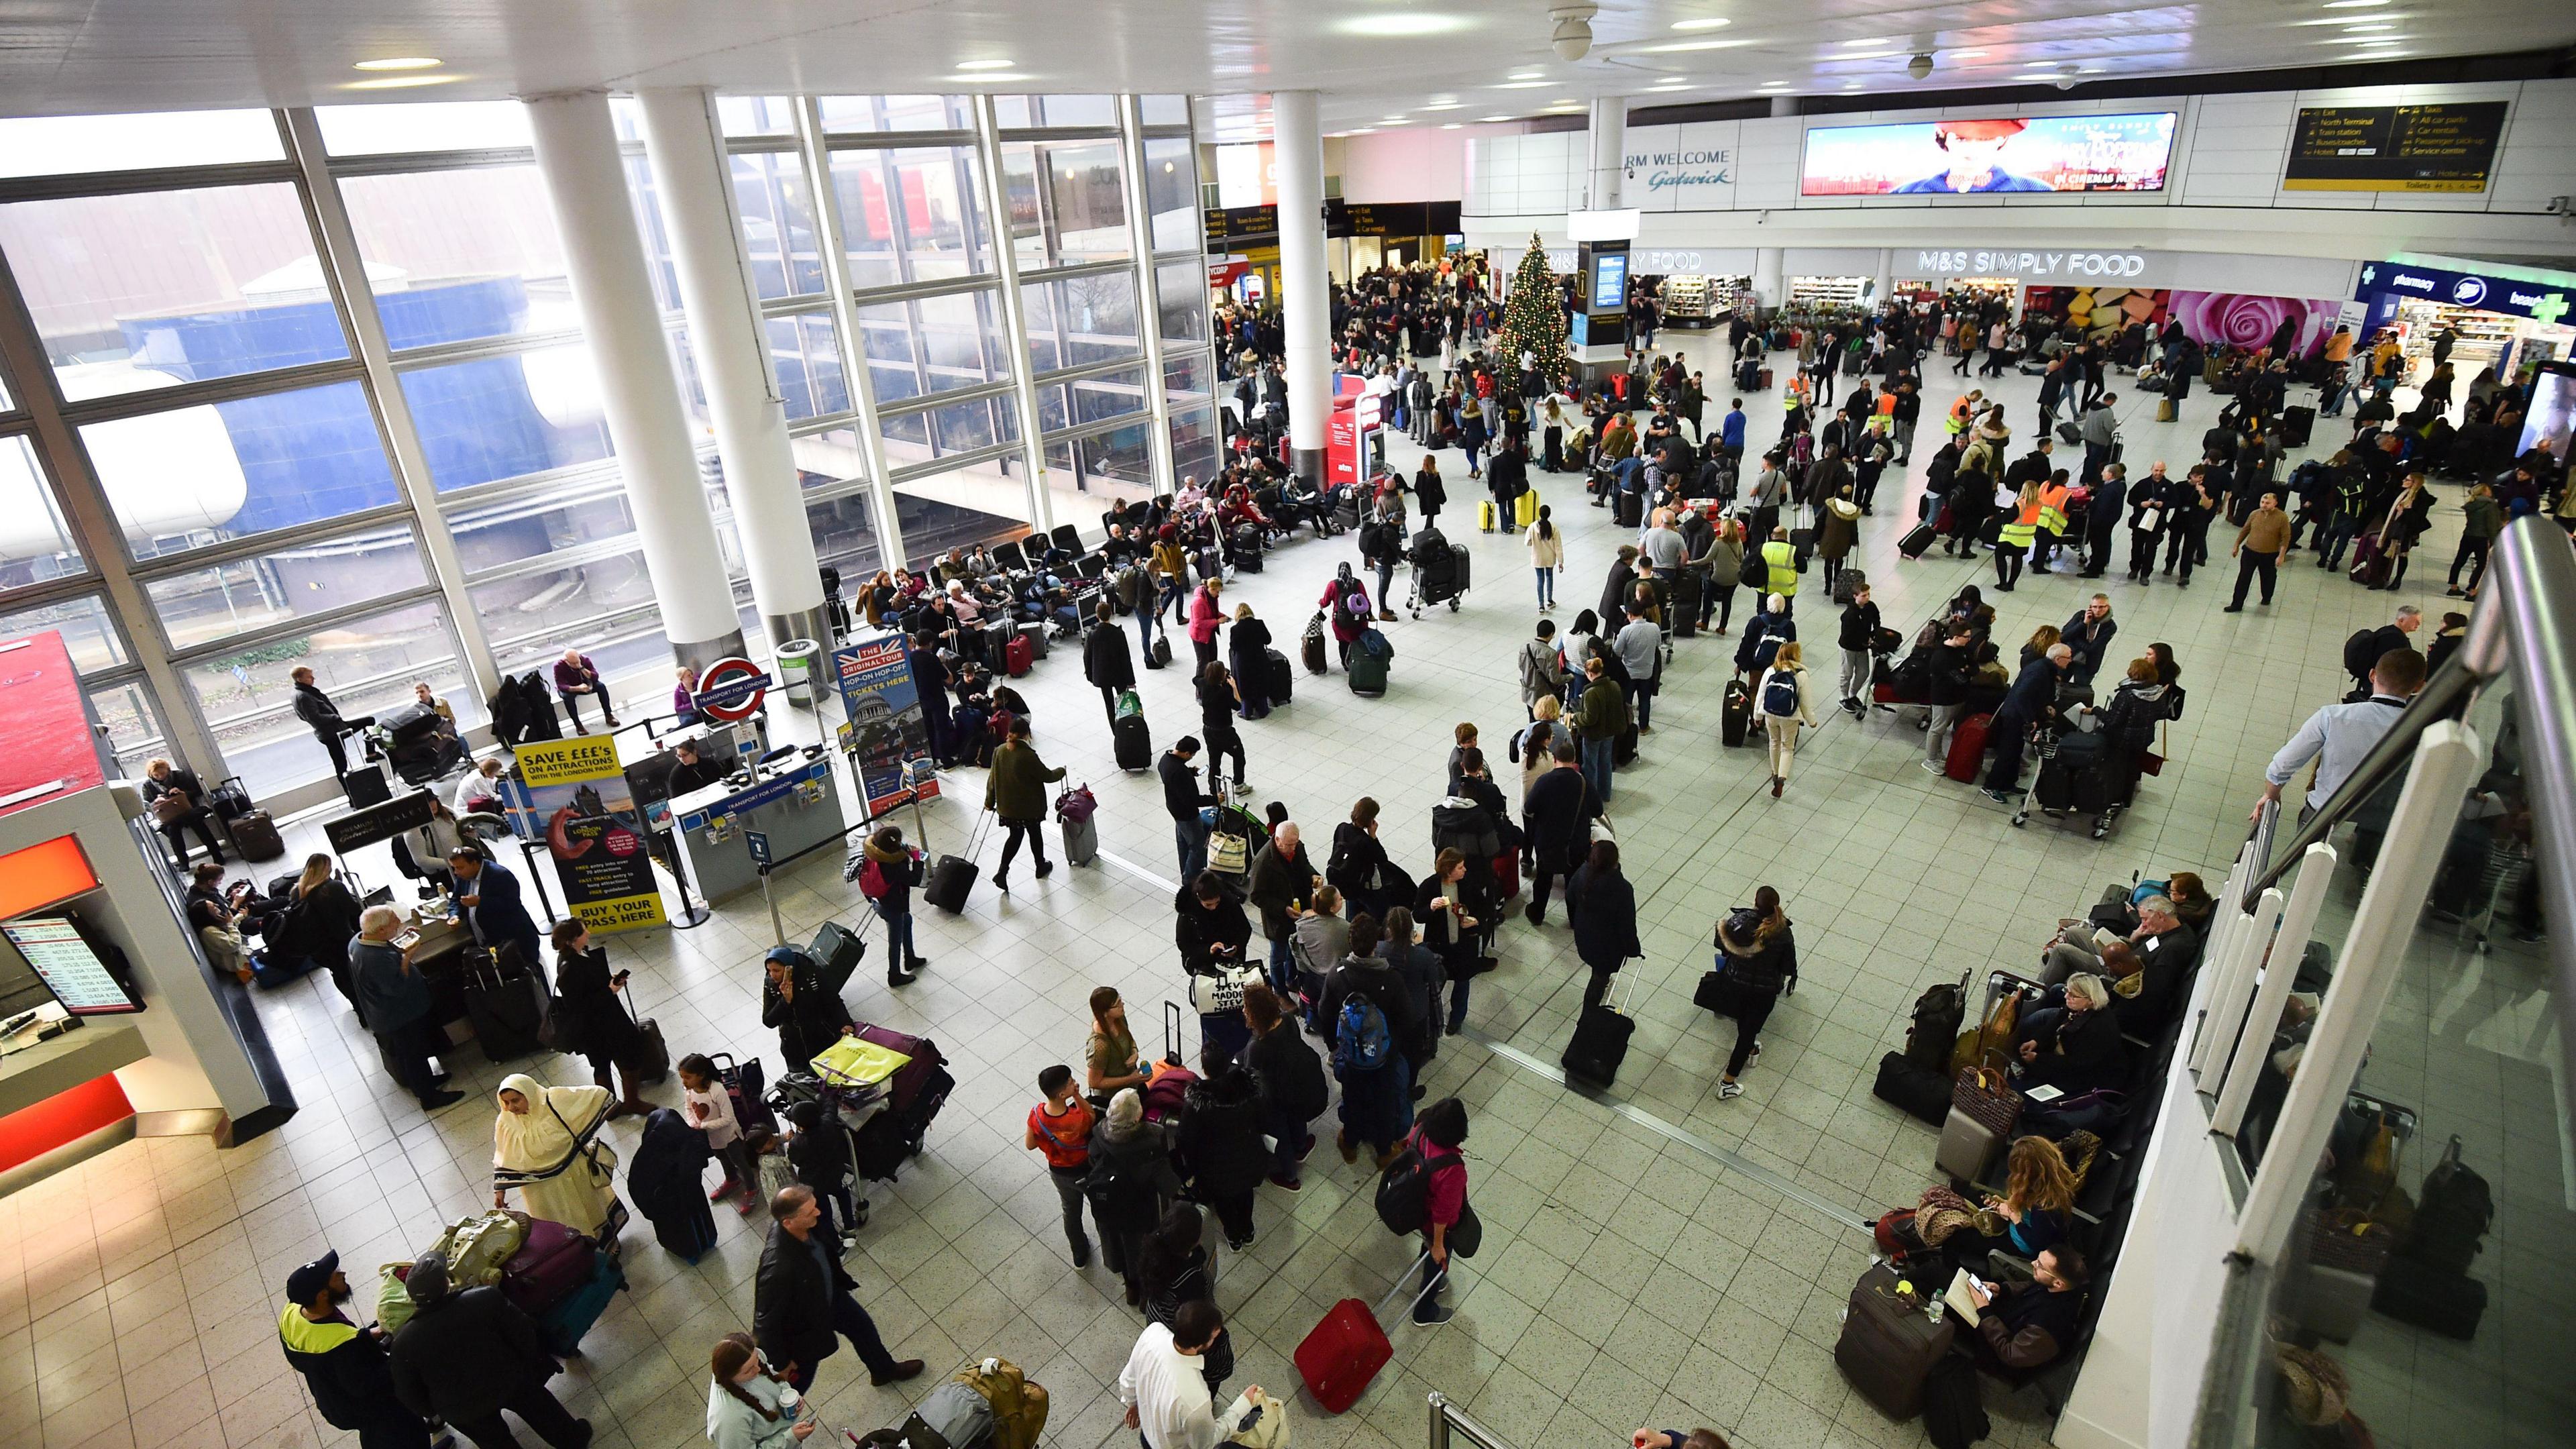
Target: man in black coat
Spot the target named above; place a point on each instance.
(1105, 660)
(1558, 814)
(465, 1357)
(2102, 517)
(344, 1365)
(323, 717)
(801, 1303)
(2032, 697)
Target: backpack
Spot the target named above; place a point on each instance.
(1404, 1189)
(1780, 694)
(872, 881)
(1019, 1407)
(1953, 1415)
(2357, 660)
(1363, 1043)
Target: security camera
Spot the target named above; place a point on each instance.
(1920, 67)
(1572, 37)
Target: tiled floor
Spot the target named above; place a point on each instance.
(1625, 1279)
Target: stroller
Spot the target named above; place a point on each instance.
(1439, 572)
(410, 739)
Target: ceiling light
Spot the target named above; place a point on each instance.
(1449, 125)
(1361, 131)
(1675, 47)
(1963, 55)
(401, 62)
(983, 65)
(1774, 86)
(1404, 22)
(2355, 4)
(1397, 117)
(1493, 118)
(400, 82)
(1713, 22)
(2348, 30)
(1674, 80)
(2366, 40)
(1444, 106)
(1526, 85)
(1867, 44)
(1525, 75)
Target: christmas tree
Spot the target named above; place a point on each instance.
(1534, 320)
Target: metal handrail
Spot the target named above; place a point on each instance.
(1447, 1418)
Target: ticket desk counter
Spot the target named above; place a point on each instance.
(791, 805)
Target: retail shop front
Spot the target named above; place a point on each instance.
(1243, 241)
(2220, 299)
(113, 1023)
(2508, 318)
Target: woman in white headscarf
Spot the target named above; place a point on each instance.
(544, 1143)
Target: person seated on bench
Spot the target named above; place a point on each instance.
(2073, 1042)
(2161, 938)
(2027, 1326)
(2037, 1204)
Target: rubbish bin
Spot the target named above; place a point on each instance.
(799, 663)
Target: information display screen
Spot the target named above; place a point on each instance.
(2552, 418)
(68, 967)
(1609, 281)
(2394, 148)
(1974, 156)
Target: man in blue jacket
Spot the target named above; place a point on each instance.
(2032, 697)
(490, 898)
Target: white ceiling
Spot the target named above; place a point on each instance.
(1371, 58)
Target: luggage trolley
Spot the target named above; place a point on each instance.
(1440, 572)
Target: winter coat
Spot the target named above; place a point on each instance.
(1015, 790)
(462, 1356)
(1605, 918)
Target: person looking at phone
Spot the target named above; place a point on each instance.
(1164, 1390)
(2026, 1325)
(591, 1021)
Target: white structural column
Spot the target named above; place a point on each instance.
(690, 168)
(1886, 278)
(1149, 295)
(1609, 158)
(1297, 135)
(640, 395)
(1767, 283)
(1015, 311)
(845, 319)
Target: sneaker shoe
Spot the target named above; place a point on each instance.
(2000, 797)
(1930, 768)
(899, 978)
(908, 1369)
(1432, 1315)
(724, 1189)
(1729, 1090)
(1754, 1055)
(1286, 1184)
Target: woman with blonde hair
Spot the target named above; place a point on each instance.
(2042, 639)
(2037, 1203)
(1782, 700)
(545, 1144)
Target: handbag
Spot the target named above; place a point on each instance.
(1467, 1234)
(1720, 992)
(1219, 991)
(1984, 1097)
(1229, 853)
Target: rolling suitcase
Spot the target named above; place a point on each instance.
(1367, 674)
(1074, 811)
(745, 1086)
(1018, 655)
(1624, 750)
(655, 1064)
(366, 785)
(1919, 1092)
(1525, 508)
(1283, 679)
(951, 881)
(2430, 1298)
(1889, 1345)
(560, 1328)
(506, 1006)
(1599, 1046)
(1735, 717)
(1135, 744)
(554, 1261)
(2296, 424)
(1036, 634)
(838, 953)
(1631, 509)
(1967, 1147)
(1312, 645)
(1764, 378)
(230, 799)
(1968, 747)
(1344, 1351)
(1917, 541)
(1487, 519)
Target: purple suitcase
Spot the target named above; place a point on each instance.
(555, 1261)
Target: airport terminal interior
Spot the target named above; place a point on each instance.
(570, 422)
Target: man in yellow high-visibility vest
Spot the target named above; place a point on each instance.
(1780, 565)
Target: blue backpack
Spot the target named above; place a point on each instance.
(1780, 696)
(1363, 1042)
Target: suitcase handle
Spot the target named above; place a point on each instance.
(1379, 1308)
(1172, 1032)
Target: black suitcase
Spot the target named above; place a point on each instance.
(2431, 1298)
(838, 953)
(1247, 557)
(1625, 751)
(507, 1007)
(1632, 508)
(1600, 1044)
(1735, 717)
(951, 881)
(255, 836)
(1135, 743)
(1312, 645)
(366, 785)
(2296, 424)
(1917, 540)
(1160, 656)
(1283, 679)
(1367, 674)
(1918, 1093)
(230, 799)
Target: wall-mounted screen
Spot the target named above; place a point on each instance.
(78, 979)
(1609, 281)
(2394, 148)
(2552, 418)
(1988, 155)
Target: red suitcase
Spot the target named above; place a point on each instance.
(1507, 875)
(555, 1261)
(1342, 1355)
(1968, 747)
(1019, 655)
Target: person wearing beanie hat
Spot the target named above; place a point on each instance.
(345, 1365)
(465, 1357)
(807, 1015)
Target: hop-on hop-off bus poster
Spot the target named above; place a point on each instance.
(886, 727)
(572, 794)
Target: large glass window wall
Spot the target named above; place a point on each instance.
(254, 482)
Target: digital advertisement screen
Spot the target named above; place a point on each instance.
(1994, 154)
(70, 969)
(2553, 409)
(1609, 281)
(2394, 148)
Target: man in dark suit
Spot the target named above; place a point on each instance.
(490, 898)
(801, 1303)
